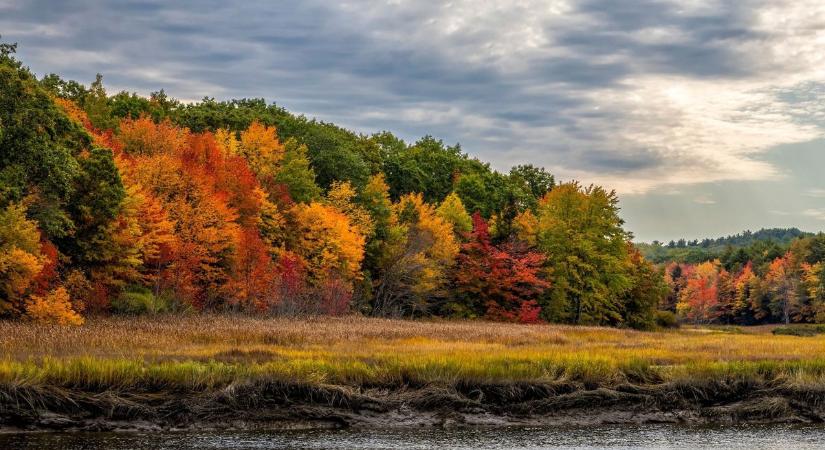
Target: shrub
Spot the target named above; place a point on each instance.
(801, 330)
(139, 300)
(666, 319)
(55, 308)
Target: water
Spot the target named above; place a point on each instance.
(604, 437)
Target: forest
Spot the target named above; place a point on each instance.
(122, 204)
(762, 282)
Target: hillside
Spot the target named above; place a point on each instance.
(697, 251)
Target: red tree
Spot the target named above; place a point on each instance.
(252, 284)
(499, 282)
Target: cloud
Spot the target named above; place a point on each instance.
(815, 193)
(816, 213)
(640, 95)
(704, 200)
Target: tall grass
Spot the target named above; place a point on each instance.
(198, 353)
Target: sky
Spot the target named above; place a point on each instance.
(707, 117)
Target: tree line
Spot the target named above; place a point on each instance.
(129, 204)
(698, 251)
(761, 283)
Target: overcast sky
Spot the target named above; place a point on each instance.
(706, 116)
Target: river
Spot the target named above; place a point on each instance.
(603, 437)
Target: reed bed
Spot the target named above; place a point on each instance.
(205, 352)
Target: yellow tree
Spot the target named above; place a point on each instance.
(260, 146)
(20, 258)
(327, 241)
(525, 227)
(55, 307)
(227, 141)
(419, 250)
(812, 278)
(782, 281)
(745, 287)
(340, 196)
(452, 210)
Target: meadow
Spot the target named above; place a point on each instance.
(213, 351)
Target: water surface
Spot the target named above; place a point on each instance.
(604, 437)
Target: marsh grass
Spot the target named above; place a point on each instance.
(196, 353)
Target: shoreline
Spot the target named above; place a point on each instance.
(283, 406)
(170, 372)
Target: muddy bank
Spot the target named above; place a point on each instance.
(267, 405)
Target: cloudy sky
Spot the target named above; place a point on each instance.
(706, 116)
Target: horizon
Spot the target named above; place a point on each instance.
(698, 114)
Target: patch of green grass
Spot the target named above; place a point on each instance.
(800, 330)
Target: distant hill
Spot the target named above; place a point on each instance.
(697, 251)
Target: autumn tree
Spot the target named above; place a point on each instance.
(329, 243)
(782, 281)
(419, 250)
(55, 307)
(259, 145)
(253, 279)
(20, 258)
(452, 210)
(498, 282)
(727, 295)
(648, 288)
(813, 279)
(746, 287)
(205, 226)
(142, 136)
(699, 300)
(342, 196)
(580, 233)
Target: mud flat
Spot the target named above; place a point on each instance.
(264, 405)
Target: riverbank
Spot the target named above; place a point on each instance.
(205, 372)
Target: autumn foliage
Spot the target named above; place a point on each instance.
(125, 204)
(499, 282)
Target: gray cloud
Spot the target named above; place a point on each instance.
(636, 94)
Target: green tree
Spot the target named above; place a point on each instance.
(297, 174)
(648, 290)
(96, 201)
(580, 232)
(39, 146)
(428, 167)
(96, 105)
(533, 181)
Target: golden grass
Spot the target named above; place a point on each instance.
(201, 352)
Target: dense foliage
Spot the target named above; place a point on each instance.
(697, 251)
(128, 204)
(762, 282)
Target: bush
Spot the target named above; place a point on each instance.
(139, 300)
(666, 319)
(54, 308)
(800, 330)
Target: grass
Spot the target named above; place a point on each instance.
(205, 352)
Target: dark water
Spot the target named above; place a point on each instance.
(618, 437)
